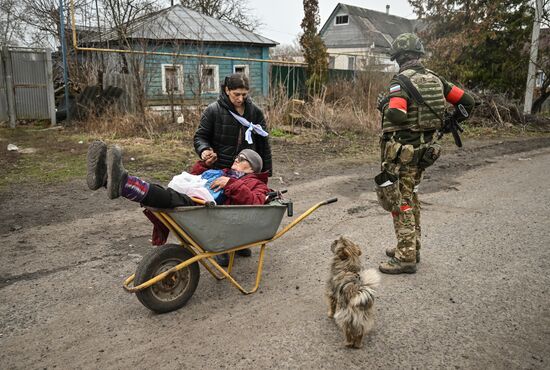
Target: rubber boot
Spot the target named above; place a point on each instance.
(244, 252)
(116, 174)
(222, 259)
(96, 175)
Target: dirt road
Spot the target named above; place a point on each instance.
(480, 298)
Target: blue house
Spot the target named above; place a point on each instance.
(169, 79)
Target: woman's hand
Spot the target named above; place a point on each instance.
(209, 157)
(219, 183)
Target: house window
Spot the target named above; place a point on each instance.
(172, 79)
(209, 78)
(241, 68)
(331, 62)
(351, 63)
(342, 19)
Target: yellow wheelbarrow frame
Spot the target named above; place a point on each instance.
(206, 257)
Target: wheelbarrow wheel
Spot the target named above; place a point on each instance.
(174, 291)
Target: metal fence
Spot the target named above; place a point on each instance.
(26, 85)
(293, 79)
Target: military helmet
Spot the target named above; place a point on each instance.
(406, 42)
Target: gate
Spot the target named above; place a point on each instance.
(26, 85)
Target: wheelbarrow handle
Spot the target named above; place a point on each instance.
(328, 201)
(209, 204)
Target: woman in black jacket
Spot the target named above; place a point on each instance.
(225, 128)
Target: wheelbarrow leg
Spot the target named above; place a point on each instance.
(227, 275)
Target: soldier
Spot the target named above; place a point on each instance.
(412, 117)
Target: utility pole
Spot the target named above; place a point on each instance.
(65, 65)
(533, 55)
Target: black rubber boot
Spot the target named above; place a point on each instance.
(96, 176)
(244, 252)
(222, 259)
(115, 172)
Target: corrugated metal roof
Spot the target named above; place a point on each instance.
(180, 23)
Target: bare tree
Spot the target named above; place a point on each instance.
(236, 12)
(11, 29)
(291, 51)
(43, 16)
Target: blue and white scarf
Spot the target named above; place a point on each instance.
(251, 127)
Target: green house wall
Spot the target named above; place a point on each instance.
(152, 64)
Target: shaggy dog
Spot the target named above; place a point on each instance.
(350, 292)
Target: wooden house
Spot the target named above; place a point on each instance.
(169, 79)
(357, 38)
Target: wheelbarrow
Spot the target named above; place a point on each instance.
(167, 277)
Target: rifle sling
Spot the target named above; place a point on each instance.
(415, 94)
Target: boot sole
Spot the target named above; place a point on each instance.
(96, 167)
(403, 270)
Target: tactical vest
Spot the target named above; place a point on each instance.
(420, 118)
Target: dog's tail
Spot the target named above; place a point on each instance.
(370, 279)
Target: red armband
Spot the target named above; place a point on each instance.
(398, 103)
(454, 95)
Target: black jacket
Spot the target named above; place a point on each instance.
(225, 135)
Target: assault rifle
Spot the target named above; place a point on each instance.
(450, 124)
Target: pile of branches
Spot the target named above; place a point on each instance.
(498, 110)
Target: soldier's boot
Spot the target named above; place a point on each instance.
(395, 266)
(390, 252)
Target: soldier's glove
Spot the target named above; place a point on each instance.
(381, 101)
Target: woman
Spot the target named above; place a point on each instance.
(231, 124)
(243, 183)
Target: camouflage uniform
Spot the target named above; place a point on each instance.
(408, 127)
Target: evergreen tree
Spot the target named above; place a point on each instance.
(315, 51)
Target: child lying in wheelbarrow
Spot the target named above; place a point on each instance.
(242, 184)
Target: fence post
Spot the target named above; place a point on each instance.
(49, 86)
(10, 91)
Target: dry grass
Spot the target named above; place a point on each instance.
(150, 125)
(343, 106)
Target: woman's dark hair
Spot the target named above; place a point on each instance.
(236, 81)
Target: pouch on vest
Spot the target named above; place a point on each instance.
(431, 154)
(391, 151)
(407, 154)
(387, 191)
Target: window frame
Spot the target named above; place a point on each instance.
(341, 16)
(352, 62)
(216, 69)
(246, 69)
(179, 76)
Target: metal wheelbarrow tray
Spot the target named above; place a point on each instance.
(168, 275)
(221, 228)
